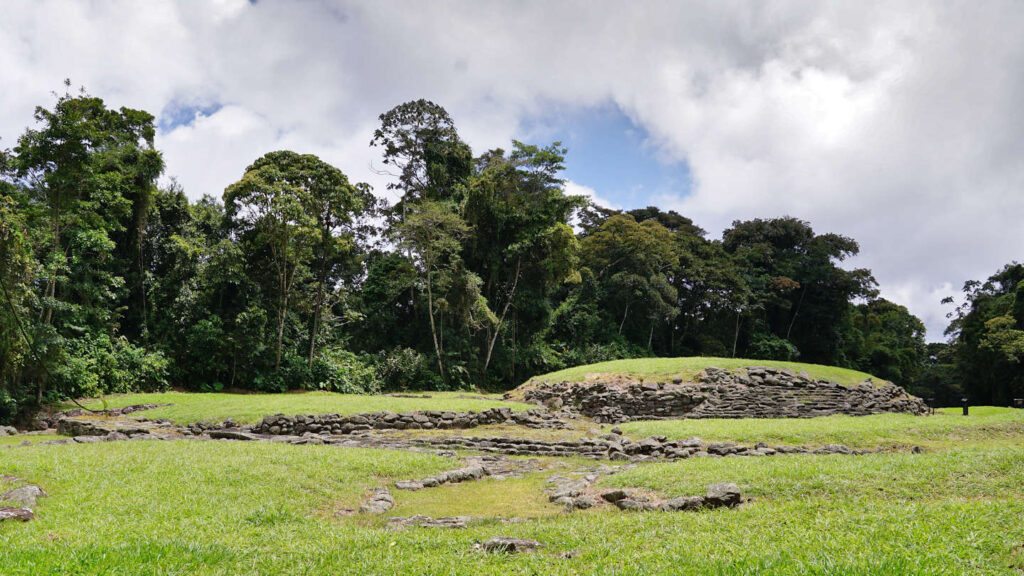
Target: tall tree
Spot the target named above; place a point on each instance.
(267, 210)
(987, 336)
(803, 295)
(432, 233)
(88, 172)
(420, 142)
(632, 261)
(524, 248)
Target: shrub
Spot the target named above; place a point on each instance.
(339, 370)
(406, 369)
(771, 347)
(95, 365)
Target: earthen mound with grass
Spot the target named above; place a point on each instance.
(645, 389)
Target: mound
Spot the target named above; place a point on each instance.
(742, 389)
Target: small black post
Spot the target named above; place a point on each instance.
(964, 402)
(931, 405)
(1018, 402)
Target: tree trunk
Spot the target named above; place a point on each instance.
(142, 286)
(497, 330)
(796, 311)
(433, 328)
(624, 314)
(736, 335)
(319, 307)
(280, 333)
(52, 288)
(282, 313)
(650, 336)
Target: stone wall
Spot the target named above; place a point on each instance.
(756, 392)
(420, 420)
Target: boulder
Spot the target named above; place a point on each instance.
(722, 494)
(614, 496)
(25, 496)
(9, 513)
(510, 545)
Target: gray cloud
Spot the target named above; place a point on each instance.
(894, 123)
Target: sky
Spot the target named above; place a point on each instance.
(899, 124)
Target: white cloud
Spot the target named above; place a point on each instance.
(894, 123)
(574, 189)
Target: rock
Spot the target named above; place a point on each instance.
(409, 485)
(634, 505)
(693, 442)
(648, 445)
(834, 449)
(614, 496)
(88, 439)
(581, 503)
(9, 513)
(510, 545)
(683, 503)
(721, 448)
(428, 522)
(231, 435)
(380, 502)
(722, 494)
(8, 431)
(25, 496)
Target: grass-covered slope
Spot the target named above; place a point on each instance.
(665, 369)
(249, 408)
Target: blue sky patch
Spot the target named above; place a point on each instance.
(182, 114)
(609, 153)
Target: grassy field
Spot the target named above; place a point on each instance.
(224, 508)
(248, 408)
(163, 508)
(946, 429)
(664, 369)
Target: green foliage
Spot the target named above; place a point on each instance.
(886, 340)
(97, 365)
(771, 347)
(987, 337)
(473, 278)
(403, 369)
(346, 372)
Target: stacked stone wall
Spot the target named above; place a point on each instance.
(756, 392)
(420, 420)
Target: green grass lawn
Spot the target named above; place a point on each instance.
(248, 408)
(947, 429)
(215, 508)
(664, 369)
(33, 438)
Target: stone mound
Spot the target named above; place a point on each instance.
(755, 392)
